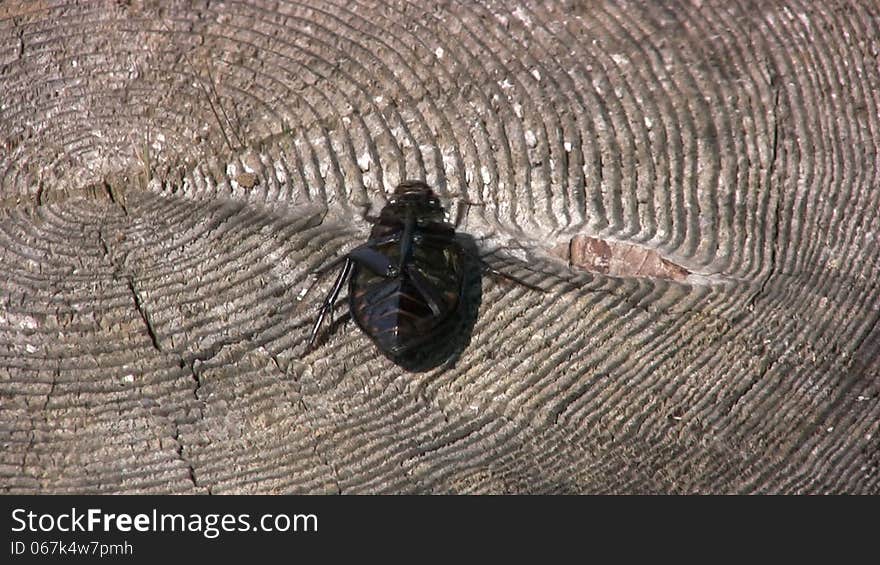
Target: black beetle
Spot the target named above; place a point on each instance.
(407, 280)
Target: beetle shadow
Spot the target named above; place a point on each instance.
(449, 341)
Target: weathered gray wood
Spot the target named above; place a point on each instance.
(169, 176)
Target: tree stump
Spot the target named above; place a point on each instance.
(695, 185)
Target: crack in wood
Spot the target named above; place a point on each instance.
(322, 457)
(119, 274)
(142, 310)
(55, 375)
(215, 348)
(774, 248)
(184, 364)
(766, 365)
(191, 470)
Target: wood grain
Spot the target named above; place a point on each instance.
(170, 174)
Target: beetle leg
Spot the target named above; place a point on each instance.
(368, 257)
(390, 238)
(406, 240)
(320, 272)
(366, 207)
(493, 271)
(461, 208)
(428, 239)
(426, 289)
(489, 269)
(330, 301)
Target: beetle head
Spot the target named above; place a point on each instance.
(412, 190)
(416, 195)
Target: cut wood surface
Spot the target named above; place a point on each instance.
(693, 183)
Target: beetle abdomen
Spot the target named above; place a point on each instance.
(392, 314)
(400, 313)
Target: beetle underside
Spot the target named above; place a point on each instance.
(407, 281)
